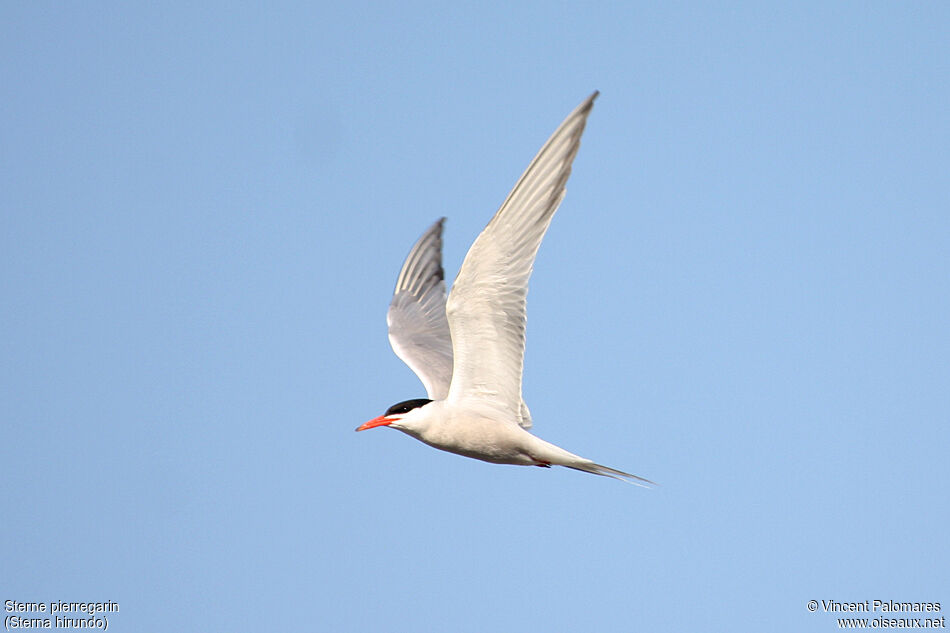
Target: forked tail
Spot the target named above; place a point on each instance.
(606, 471)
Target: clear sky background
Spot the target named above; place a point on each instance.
(744, 297)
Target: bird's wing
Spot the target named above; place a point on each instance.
(418, 329)
(486, 308)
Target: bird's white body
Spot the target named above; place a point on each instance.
(468, 349)
(477, 431)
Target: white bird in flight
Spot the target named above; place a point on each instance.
(469, 351)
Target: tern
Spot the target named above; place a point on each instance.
(468, 350)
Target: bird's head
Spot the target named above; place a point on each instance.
(399, 416)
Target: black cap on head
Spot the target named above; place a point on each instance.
(406, 406)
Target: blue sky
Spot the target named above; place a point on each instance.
(744, 297)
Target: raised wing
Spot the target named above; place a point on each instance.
(486, 308)
(418, 329)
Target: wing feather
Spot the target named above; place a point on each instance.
(486, 308)
(418, 329)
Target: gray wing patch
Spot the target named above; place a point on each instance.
(418, 329)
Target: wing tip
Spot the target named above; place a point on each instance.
(423, 264)
(588, 103)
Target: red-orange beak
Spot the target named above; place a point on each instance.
(372, 424)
